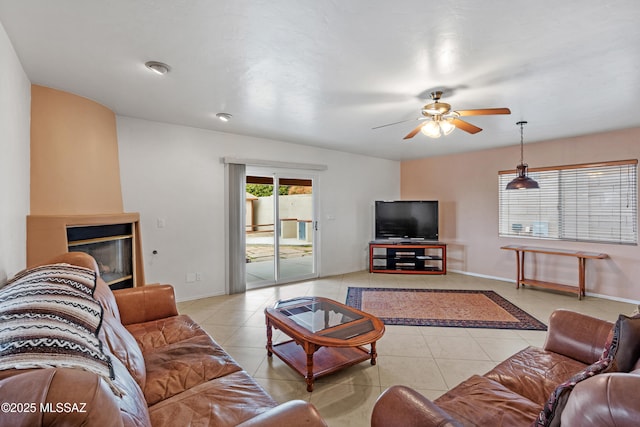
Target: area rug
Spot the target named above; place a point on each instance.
(442, 307)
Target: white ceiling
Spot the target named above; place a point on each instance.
(325, 72)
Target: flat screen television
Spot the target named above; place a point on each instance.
(406, 219)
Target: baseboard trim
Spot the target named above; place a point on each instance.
(483, 276)
(590, 294)
(627, 300)
(197, 297)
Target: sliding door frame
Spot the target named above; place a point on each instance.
(278, 174)
(235, 212)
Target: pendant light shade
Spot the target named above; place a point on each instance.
(522, 181)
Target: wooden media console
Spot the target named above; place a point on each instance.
(418, 257)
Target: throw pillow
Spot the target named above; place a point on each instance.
(625, 344)
(620, 354)
(49, 318)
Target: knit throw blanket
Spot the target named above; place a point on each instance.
(49, 318)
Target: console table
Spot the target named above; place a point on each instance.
(413, 257)
(580, 255)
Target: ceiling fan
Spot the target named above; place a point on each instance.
(442, 120)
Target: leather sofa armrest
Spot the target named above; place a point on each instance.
(400, 406)
(56, 396)
(577, 335)
(80, 259)
(146, 303)
(604, 400)
(292, 413)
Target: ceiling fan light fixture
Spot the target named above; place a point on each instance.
(522, 181)
(437, 127)
(446, 120)
(431, 129)
(436, 108)
(446, 126)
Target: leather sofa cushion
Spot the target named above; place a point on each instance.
(182, 365)
(534, 373)
(480, 401)
(604, 400)
(225, 402)
(162, 332)
(550, 414)
(133, 408)
(123, 346)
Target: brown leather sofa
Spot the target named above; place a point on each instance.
(516, 390)
(171, 371)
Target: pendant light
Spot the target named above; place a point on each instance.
(522, 181)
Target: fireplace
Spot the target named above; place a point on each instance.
(111, 246)
(112, 239)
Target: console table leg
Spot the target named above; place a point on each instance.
(581, 285)
(518, 269)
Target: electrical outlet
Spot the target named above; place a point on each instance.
(198, 277)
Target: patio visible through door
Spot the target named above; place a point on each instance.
(280, 228)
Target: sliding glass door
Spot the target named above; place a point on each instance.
(280, 226)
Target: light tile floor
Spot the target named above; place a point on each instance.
(429, 359)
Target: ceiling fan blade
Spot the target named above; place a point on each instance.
(466, 126)
(414, 132)
(396, 123)
(483, 111)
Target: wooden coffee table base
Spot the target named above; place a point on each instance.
(316, 362)
(326, 336)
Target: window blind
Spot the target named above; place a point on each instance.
(587, 202)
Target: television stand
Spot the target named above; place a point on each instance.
(407, 257)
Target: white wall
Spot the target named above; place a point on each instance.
(15, 106)
(175, 174)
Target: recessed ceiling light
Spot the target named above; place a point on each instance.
(158, 67)
(225, 117)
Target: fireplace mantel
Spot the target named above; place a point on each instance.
(47, 237)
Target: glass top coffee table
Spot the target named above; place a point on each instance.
(326, 336)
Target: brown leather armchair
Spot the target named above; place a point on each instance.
(515, 391)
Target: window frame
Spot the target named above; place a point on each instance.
(558, 211)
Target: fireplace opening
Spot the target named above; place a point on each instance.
(111, 246)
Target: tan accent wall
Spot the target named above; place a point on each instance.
(467, 187)
(74, 155)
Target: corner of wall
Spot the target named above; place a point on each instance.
(15, 101)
